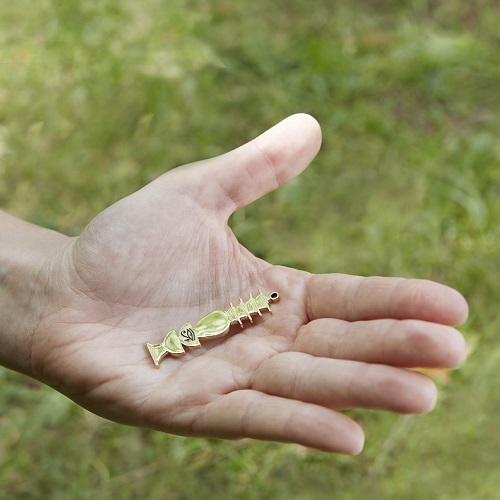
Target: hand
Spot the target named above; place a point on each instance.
(165, 256)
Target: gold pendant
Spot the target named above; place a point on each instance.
(215, 324)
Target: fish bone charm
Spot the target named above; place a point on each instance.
(213, 325)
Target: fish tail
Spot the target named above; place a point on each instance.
(157, 352)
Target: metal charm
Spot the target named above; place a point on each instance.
(213, 325)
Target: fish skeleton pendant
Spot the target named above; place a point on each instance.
(215, 324)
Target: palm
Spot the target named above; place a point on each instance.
(164, 256)
(152, 277)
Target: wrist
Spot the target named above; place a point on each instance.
(25, 286)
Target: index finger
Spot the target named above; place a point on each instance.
(356, 298)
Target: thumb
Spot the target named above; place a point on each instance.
(237, 178)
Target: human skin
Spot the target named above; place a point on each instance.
(75, 313)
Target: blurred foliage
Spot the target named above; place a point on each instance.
(98, 98)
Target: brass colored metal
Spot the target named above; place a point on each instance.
(213, 325)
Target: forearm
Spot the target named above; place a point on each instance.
(25, 250)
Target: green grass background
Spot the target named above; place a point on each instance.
(99, 97)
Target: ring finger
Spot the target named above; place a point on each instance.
(340, 384)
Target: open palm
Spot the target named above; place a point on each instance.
(165, 256)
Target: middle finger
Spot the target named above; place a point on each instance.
(406, 343)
